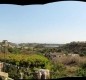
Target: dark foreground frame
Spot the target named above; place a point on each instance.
(32, 2)
(66, 78)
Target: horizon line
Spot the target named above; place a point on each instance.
(42, 42)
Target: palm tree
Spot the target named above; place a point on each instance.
(4, 46)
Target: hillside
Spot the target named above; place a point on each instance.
(74, 47)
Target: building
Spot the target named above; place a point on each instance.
(56, 55)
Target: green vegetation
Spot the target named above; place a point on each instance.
(75, 47)
(59, 71)
(31, 62)
(82, 70)
(14, 50)
(37, 56)
(25, 60)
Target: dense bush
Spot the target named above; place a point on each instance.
(25, 60)
(13, 50)
(58, 71)
(81, 72)
(75, 47)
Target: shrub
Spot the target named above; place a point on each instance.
(81, 72)
(81, 54)
(58, 70)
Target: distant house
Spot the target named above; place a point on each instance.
(11, 46)
(56, 55)
(19, 47)
(25, 47)
(73, 55)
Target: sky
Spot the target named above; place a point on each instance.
(57, 22)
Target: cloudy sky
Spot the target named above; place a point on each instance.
(58, 22)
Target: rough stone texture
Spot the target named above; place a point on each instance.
(3, 74)
(42, 74)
